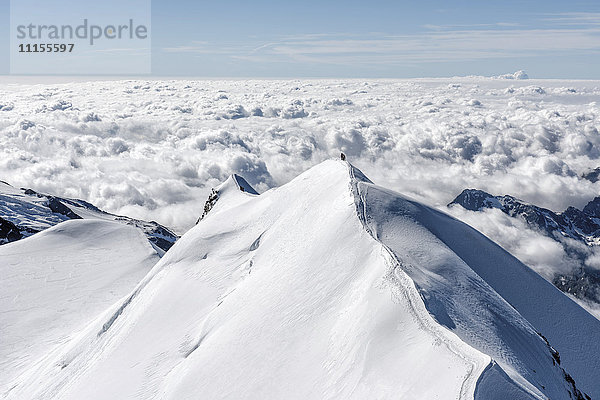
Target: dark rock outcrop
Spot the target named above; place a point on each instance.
(9, 232)
(57, 207)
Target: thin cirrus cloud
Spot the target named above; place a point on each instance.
(578, 32)
(574, 18)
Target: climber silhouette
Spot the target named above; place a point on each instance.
(343, 156)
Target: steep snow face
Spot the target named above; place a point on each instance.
(306, 292)
(58, 281)
(470, 285)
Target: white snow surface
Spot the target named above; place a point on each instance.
(327, 287)
(55, 282)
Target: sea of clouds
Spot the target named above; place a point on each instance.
(153, 149)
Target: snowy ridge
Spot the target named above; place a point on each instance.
(403, 286)
(402, 282)
(452, 310)
(31, 212)
(327, 287)
(554, 316)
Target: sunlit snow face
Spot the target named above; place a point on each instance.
(153, 149)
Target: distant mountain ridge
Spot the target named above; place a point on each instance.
(580, 225)
(24, 212)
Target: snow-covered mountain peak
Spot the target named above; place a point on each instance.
(233, 190)
(243, 185)
(235, 182)
(329, 287)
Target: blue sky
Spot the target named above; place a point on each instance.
(548, 39)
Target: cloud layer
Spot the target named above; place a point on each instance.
(153, 149)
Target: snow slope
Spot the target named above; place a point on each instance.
(55, 282)
(327, 287)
